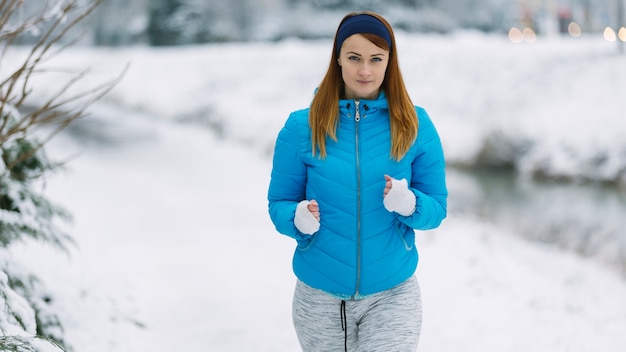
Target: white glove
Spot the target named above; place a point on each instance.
(305, 221)
(400, 199)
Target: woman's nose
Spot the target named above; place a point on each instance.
(364, 70)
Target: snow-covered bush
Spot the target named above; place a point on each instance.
(28, 344)
(28, 120)
(26, 321)
(24, 212)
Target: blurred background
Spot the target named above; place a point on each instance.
(184, 22)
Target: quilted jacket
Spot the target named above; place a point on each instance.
(360, 248)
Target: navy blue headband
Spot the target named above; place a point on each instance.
(361, 24)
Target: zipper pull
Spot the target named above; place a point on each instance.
(357, 116)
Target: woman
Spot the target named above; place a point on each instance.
(353, 176)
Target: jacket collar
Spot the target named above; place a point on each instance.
(376, 104)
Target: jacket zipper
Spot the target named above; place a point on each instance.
(357, 118)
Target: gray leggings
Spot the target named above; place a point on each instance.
(388, 321)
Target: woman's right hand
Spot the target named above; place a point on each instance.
(314, 209)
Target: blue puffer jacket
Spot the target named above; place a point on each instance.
(360, 248)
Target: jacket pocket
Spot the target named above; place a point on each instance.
(407, 237)
(307, 242)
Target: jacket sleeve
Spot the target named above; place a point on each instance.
(428, 180)
(288, 179)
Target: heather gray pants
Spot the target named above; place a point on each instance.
(388, 321)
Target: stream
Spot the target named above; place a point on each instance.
(586, 218)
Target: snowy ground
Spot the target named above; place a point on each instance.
(175, 248)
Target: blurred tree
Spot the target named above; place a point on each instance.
(330, 4)
(160, 29)
(119, 22)
(426, 3)
(177, 22)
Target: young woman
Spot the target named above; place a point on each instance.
(353, 177)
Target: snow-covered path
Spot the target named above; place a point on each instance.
(174, 234)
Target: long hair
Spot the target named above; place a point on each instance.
(324, 112)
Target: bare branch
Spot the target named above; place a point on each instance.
(59, 108)
(53, 112)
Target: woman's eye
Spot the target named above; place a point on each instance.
(353, 58)
(377, 59)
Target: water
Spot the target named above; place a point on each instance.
(589, 219)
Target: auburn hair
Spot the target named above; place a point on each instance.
(324, 111)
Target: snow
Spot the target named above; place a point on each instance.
(22, 317)
(175, 250)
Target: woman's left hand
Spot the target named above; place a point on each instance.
(388, 185)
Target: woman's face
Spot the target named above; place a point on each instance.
(363, 67)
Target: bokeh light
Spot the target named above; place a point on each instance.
(574, 30)
(622, 34)
(529, 35)
(609, 34)
(515, 35)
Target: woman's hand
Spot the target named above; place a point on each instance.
(314, 209)
(387, 185)
(307, 217)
